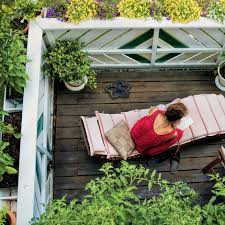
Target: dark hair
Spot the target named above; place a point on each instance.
(175, 112)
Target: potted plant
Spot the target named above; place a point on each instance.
(7, 217)
(220, 79)
(70, 64)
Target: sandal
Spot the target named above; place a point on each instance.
(174, 163)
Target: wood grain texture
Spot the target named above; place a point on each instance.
(74, 168)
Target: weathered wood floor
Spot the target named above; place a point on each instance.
(74, 168)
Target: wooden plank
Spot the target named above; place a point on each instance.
(134, 97)
(162, 86)
(151, 76)
(120, 22)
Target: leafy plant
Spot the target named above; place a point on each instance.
(112, 199)
(26, 9)
(12, 61)
(219, 187)
(204, 5)
(8, 128)
(58, 10)
(107, 9)
(12, 55)
(6, 161)
(213, 214)
(157, 9)
(182, 11)
(217, 10)
(3, 215)
(134, 8)
(69, 63)
(79, 10)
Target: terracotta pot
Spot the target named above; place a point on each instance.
(11, 218)
(26, 29)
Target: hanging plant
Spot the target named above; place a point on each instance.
(79, 10)
(182, 11)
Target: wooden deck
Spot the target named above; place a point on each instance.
(74, 168)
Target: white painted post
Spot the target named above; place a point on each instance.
(154, 46)
(27, 164)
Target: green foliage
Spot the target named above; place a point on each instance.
(50, 3)
(25, 9)
(8, 128)
(79, 10)
(213, 214)
(12, 55)
(3, 215)
(107, 9)
(134, 8)
(219, 187)
(6, 161)
(69, 63)
(217, 10)
(112, 199)
(182, 11)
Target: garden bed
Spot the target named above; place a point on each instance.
(11, 180)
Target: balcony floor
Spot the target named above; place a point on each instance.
(74, 168)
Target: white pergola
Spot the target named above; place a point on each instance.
(118, 43)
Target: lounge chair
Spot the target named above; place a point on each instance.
(206, 110)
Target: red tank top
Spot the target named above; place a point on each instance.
(147, 141)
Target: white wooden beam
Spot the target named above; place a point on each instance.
(27, 163)
(155, 45)
(124, 23)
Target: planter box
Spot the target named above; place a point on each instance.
(12, 104)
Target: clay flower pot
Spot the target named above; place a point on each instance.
(11, 217)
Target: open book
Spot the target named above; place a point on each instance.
(184, 123)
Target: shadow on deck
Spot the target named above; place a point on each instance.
(74, 168)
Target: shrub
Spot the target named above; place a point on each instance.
(12, 56)
(134, 8)
(219, 187)
(107, 9)
(3, 215)
(79, 10)
(217, 10)
(69, 63)
(6, 161)
(26, 9)
(112, 199)
(182, 11)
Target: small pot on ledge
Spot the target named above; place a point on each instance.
(11, 218)
(77, 85)
(220, 79)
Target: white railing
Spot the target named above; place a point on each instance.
(35, 178)
(120, 43)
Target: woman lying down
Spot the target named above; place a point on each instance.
(155, 133)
